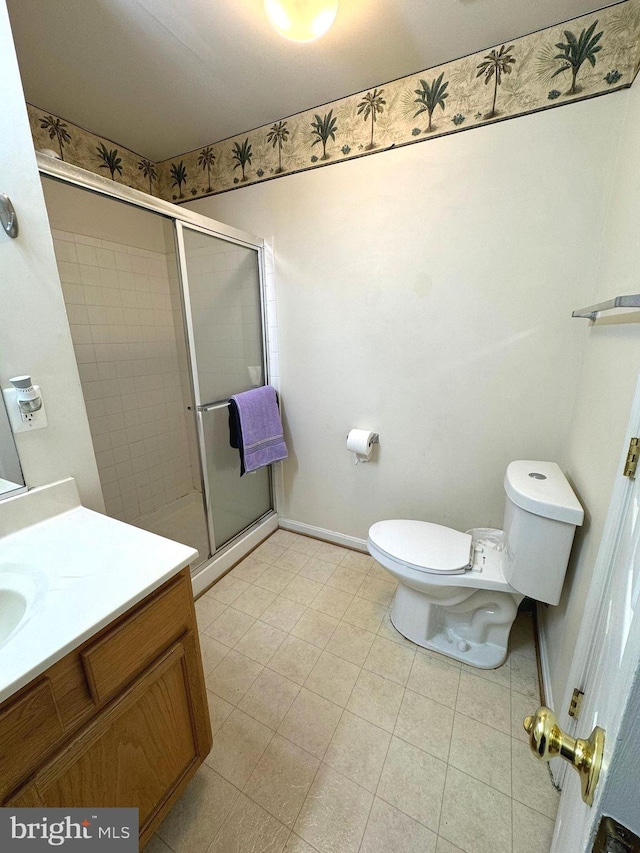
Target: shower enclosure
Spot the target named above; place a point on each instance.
(168, 319)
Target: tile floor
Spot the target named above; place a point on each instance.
(332, 733)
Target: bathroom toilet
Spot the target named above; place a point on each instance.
(458, 593)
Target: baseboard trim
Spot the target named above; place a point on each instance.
(326, 535)
(220, 564)
(543, 658)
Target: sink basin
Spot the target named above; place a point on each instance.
(21, 591)
(13, 606)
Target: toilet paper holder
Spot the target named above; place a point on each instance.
(375, 438)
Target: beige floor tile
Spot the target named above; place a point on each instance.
(302, 590)
(351, 643)
(283, 537)
(269, 551)
(345, 579)
(212, 652)
(315, 627)
(237, 747)
(531, 782)
(484, 701)
(357, 561)
(524, 677)
(413, 781)
(522, 638)
(305, 545)
(295, 659)
(521, 707)
(358, 750)
(390, 660)
(389, 632)
(283, 613)
(229, 627)
(425, 724)
(274, 579)
(392, 831)
(331, 601)
(333, 678)
(335, 813)
(219, 710)
(295, 844)
(233, 676)
(157, 845)
(432, 677)
(481, 752)
(444, 846)
(227, 589)
(208, 609)
(250, 829)
(261, 642)
(365, 614)
(254, 601)
(197, 816)
(475, 817)
(317, 570)
(331, 553)
(269, 698)
(376, 699)
(532, 832)
(250, 569)
(378, 571)
(281, 779)
(310, 722)
(378, 590)
(291, 561)
(501, 675)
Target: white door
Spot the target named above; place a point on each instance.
(608, 649)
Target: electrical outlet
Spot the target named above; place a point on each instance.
(23, 422)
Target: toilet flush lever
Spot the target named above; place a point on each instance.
(547, 741)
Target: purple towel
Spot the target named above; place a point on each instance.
(260, 428)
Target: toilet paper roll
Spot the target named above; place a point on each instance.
(360, 441)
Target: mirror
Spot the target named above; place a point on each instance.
(11, 479)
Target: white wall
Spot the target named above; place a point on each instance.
(610, 367)
(426, 293)
(34, 333)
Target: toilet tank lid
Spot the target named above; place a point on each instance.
(542, 489)
(423, 545)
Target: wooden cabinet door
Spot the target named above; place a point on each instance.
(135, 753)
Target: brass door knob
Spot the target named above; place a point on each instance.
(547, 741)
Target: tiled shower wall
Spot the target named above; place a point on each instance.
(120, 311)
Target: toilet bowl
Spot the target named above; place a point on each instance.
(458, 593)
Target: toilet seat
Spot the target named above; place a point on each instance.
(423, 546)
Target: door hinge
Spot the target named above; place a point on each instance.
(576, 702)
(632, 458)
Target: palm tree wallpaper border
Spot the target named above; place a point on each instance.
(582, 58)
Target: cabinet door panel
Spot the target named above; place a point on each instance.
(135, 753)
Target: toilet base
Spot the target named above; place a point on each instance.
(475, 631)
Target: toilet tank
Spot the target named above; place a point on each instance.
(540, 518)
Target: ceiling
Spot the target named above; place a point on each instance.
(162, 77)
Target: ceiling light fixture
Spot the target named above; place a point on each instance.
(301, 20)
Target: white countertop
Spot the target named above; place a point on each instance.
(92, 569)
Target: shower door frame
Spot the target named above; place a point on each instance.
(233, 551)
(199, 408)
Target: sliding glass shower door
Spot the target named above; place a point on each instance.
(223, 308)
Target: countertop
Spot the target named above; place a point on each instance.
(92, 569)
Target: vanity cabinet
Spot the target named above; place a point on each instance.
(120, 721)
